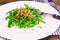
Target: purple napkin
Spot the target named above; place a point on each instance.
(57, 32)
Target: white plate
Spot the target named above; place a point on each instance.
(28, 34)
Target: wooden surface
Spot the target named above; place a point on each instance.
(6, 1)
(57, 2)
(52, 37)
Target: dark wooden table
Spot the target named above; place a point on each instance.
(51, 37)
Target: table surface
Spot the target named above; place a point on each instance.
(56, 37)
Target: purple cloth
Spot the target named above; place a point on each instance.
(54, 6)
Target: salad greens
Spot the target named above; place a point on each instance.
(24, 21)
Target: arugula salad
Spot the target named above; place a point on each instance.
(26, 17)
